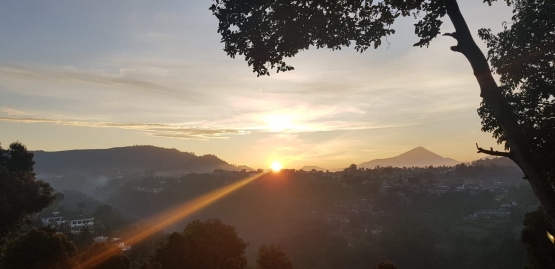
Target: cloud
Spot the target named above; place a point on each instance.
(70, 74)
(135, 81)
(354, 99)
(12, 112)
(153, 129)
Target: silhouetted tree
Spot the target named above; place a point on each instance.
(117, 259)
(203, 245)
(266, 32)
(541, 251)
(39, 249)
(20, 194)
(352, 168)
(524, 56)
(272, 257)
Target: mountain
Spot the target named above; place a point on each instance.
(415, 157)
(310, 168)
(135, 158)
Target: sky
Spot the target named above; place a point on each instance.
(78, 74)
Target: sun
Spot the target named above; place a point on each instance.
(276, 166)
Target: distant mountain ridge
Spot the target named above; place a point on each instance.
(311, 167)
(498, 161)
(134, 158)
(418, 157)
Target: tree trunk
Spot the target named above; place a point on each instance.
(493, 97)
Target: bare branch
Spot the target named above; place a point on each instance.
(494, 152)
(456, 36)
(453, 35)
(456, 49)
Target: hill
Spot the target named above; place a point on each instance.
(311, 167)
(419, 157)
(498, 161)
(135, 158)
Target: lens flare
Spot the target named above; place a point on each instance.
(171, 216)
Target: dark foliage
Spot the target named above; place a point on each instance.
(20, 194)
(17, 159)
(268, 31)
(203, 245)
(524, 56)
(38, 249)
(541, 251)
(272, 257)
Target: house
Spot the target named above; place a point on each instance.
(53, 219)
(77, 222)
(72, 223)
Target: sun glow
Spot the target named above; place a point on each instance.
(276, 166)
(279, 122)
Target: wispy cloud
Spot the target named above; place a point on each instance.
(71, 74)
(153, 129)
(12, 112)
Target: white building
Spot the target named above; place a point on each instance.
(52, 220)
(77, 222)
(74, 223)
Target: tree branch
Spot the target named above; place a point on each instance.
(454, 35)
(494, 152)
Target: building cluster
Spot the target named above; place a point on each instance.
(155, 187)
(75, 224)
(69, 223)
(503, 212)
(388, 186)
(402, 189)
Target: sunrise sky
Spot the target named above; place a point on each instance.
(100, 74)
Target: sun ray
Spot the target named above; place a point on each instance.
(171, 216)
